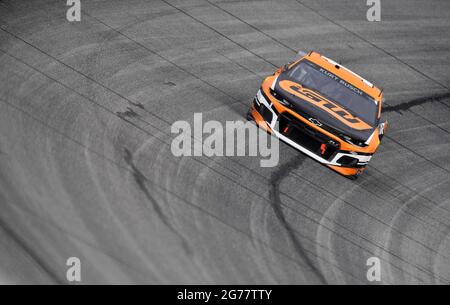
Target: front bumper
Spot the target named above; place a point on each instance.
(306, 139)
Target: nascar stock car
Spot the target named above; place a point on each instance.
(324, 110)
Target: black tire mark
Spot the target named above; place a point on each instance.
(300, 2)
(276, 203)
(399, 108)
(407, 106)
(379, 186)
(93, 102)
(86, 97)
(128, 169)
(366, 239)
(327, 192)
(129, 113)
(141, 181)
(183, 199)
(416, 102)
(41, 263)
(169, 83)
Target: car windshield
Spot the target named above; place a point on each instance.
(335, 89)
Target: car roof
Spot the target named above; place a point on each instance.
(346, 74)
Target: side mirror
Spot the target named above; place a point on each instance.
(281, 69)
(300, 55)
(382, 128)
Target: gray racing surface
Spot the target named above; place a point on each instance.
(86, 168)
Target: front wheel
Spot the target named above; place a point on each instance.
(249, 115)
(357, 175)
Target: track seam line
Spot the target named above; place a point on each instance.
(252, 26)
(110, 160)
(104, 108)
(174, 194)
(251, 191)
(218, 32)
(257, 29)
(135, 125)
(42, 265)
(373, 45)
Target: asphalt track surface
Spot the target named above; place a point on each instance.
(86, 168)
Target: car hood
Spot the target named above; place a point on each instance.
(312, 110)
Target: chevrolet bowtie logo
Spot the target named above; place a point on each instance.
(315, 122)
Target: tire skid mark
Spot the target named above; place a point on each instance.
(41, 263)
(326, 235)
(390, 54)
(364, 212)
(417, 102)
(403, 106)
(77, 143)
(32, 254)
(393, 194)
(435, 258)
(141, 181)
(133, 171)
(128, 113)
(139, 105)
(276, 203)
(349, 230)
(392, 241)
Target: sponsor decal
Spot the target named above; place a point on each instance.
(332, 108)
(341, 81)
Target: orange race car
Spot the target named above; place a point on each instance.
(324, 110)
